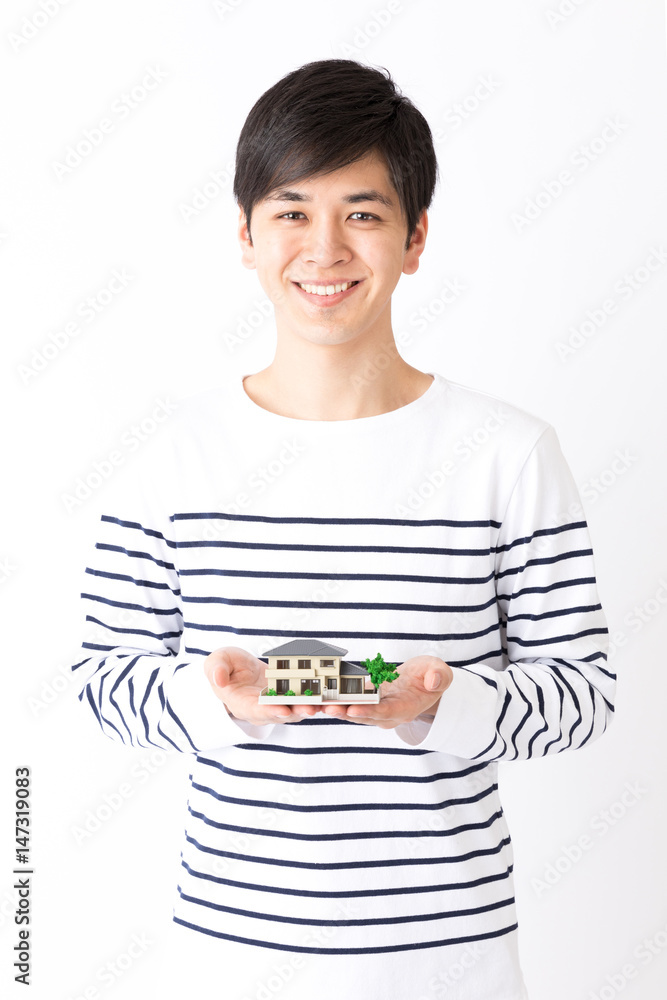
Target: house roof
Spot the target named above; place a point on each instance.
(347, 669)
(306, 647)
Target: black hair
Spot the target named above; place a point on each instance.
(325, 115)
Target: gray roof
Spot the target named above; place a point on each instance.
(347, 668)
(305, 647)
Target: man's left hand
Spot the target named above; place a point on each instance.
(416, 691)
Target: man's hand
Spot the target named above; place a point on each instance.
(421, 681)
(237, 678)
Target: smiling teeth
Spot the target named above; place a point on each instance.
(326, 289)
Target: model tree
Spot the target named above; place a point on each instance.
(380, 671)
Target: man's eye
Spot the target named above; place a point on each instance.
(364, 215)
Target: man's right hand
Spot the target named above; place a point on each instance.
(237, 678)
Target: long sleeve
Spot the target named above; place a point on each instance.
(555, 691)
(141, 691)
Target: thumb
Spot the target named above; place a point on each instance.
(220, 675)
(216, 669)
(436, 680)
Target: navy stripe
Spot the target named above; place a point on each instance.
(546, 561)
(91, 701)
(135, 524)
(307, 633)
(546, 590)
(333, 778)
(142, 706)
(132, 607)
(365, 922)
(575, 702)
(526, 715)
(134, 631)
(135, 554)
(442, 637)
(409, 890)
(556, 638)
(491, 746)
(608, 673)
(130, 691)
(346, 806)
(367, 863)
(349, 951)
(365, 835)
(555, 614)
(131, 579)
(540, 533)
(180, 725)
(268, 519)
(81, 663)
(482, 658)
(121, 677)
(403, 751)
(100, 701)
(338, 605)
(298, 575)
(163, 705)
(309, 547)
(595, 656)
(561, 695)
(545, 725)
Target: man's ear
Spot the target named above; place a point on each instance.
(245, 241)
(416, 245)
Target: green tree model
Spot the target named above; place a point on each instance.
(380, 671)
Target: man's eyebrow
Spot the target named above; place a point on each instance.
(350, 199)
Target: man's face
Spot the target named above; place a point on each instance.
(338, 228)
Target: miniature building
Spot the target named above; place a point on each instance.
(311, 665)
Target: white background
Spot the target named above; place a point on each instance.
(588, 827)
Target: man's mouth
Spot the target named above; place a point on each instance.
(326, 289)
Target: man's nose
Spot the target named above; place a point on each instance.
(325, 244)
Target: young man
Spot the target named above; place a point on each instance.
(342, 496)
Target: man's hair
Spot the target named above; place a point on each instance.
(324, 116)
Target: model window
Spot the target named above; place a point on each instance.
(304, 664)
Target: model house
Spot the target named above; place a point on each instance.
(309, 665)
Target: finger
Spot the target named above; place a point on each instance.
(378, 711)
(220, 675)
(335, 711)
(435, 680)
(378, 723)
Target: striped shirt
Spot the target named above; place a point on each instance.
(450, 526)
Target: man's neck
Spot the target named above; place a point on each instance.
(333, 389)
